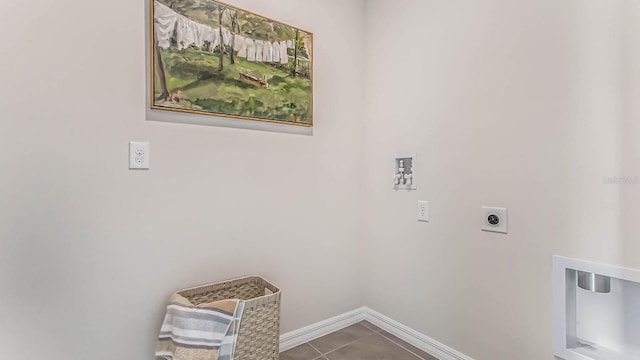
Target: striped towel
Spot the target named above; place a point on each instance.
(203, 332)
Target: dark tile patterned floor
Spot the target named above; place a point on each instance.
(362, 341)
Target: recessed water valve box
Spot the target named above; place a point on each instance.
(404, 172)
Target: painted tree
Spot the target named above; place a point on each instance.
(296, 46)
(221, 9)
(162, 77)
(161, 74)
(235, 29)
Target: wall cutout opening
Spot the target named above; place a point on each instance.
(596, 311)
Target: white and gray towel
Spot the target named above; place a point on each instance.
(203, 332)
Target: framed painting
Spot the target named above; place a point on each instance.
(212, 58)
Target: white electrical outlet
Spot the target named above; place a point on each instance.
(423, 210)
(494, 219)
(139, 155)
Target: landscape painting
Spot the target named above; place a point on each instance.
(211, 58)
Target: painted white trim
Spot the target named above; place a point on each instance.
(413, 337)
(320, 329)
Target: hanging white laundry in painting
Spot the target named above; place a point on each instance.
(203, 33)
(165, 24)
(259, 50)
(251, 50)
(238, 41)
(284, 57)
(197, 35)
(185, 32)
(242, 46)
(268, 52)
(189, 32)
(276, 52)
(226, 36)
(215, 39)
(265, 50)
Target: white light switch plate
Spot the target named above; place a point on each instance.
(139, 155)
(494, 219)
(423, 210)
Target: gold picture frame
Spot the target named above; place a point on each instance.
(212, 58)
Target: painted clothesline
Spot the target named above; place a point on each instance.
(189, 32)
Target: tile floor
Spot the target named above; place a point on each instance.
(362, 341)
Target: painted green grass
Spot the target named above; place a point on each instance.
(193, 74)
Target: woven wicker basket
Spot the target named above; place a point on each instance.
(259, 335)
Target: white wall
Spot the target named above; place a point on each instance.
(521, 104)
(90, 251)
